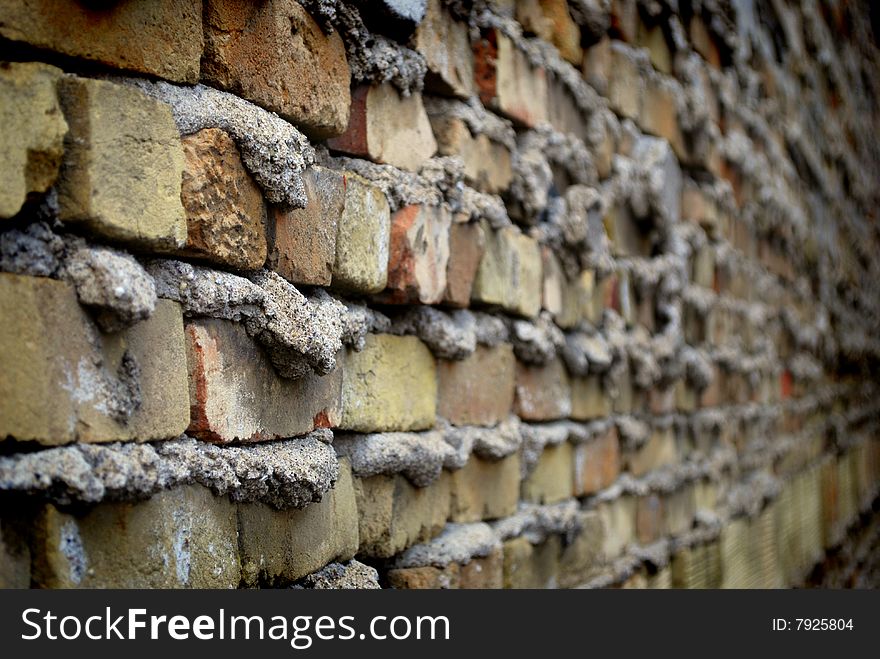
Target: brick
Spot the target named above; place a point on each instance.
(462, 395)
(565, 33)
(123, 164)
(132, 35)
(619, 522)
(507, 81)
(393, 514)
(703, 268)
(543, 393)
(418, 254)
(509, 275)
(624, 19)
(703, 42)
(649, 519)
(596, 67)
(624, 86)
(256, 404)
(552, 479)
(182, 538)
(390, 385)
(303, 240)
(483, 572)
(32, 130)
(596, 463)
(225, 214)
(446, 46)
(531, 566)
(554, 282)
(467, 242)
(581, 557)
(65, 381)
(660, 449)
(387, 128)
(487, 164)
(274, 54)
(627, 235)
(363, 238)
(679, 510)
(654, 40)
(281, 546)
(15, 554)
(659, 114)
(485, 489)
(425, 577)
(589, 400)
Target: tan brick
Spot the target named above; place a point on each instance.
(660, 449)
(462, 395)
(507, 81)
(225, 214)
(543, 393)
(256, 404)
(32, 132)
(510, 273)
(390, 385)
(65, 381)
(393, 514)
(280, 546)
(483, 572)
(589, 400)
(531, 566)
(15, 554)
(123, 165)
(649, 519)
(428, 577)
(274, 54)
(182, 538)
(467, 242)
(624, 86)
(597, 463)
(445, 44)
(619, 522)
(581, 558)
(628, 237)
(387, 128)
(363, 237)
(625, 19)
(703, 42)
(679, 509)
(596, 68)
(487, 164)
(654, 40)
(132, 35)
(552, 479)
(418, 254)
(485, 489)
(303, 240)
(659, 114)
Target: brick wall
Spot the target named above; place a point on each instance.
(438, 294)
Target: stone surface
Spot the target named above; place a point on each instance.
(387, 128)
(225, 214)
(280, 546)
(418, 254)
(393, 514)
(65, 381)
(485, 489)
(543, 393)
(425, 577)
(624, 85)
(363, 238)
(303, 240)
(445, 44)
(183, 538)
(32, 130)
(130, 35)
(487, 163)
(596, 463)
(15, 554)
(486, 572)
(390, 385)
(236, 394)
(581, 557)
(509, 275)
(660, 449)
(306, 77)
(467, 242)
(552, 479)
(531, 566)
(462, 395)
(123, 164)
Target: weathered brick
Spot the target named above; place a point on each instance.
(703, 42)
(257, 404)
(280, 546)
(182, 538)
(531, 566)
(390, 385)
(628, 236)
(393, 514)
(123, 164)
(660, 449)
(467, 242)
(425, 577)
(589, 400)
(625, 19)
(487, 164)
(596, 68)
(363, 238)
(596, 463)
(624, 86)
(132, 35)
(65, 381)
(387, 128)
(619, 521)
(225, 214)
(543, 393)
(15, 554)
(658, 114)
(507, 81)
(446, 46)
(418, 254)
(483, 572)
(654, 40)
(649, 518)
(552, 478)
(551, 20)
(510, 273)
(485, 489)
(303, 240)
(32, 132)
(462, 395)
(581, 557)
(274, 54)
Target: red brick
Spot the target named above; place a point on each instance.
(597, 463)
(543, 393)
(467, 242)
(478, 390)
(419, 254)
